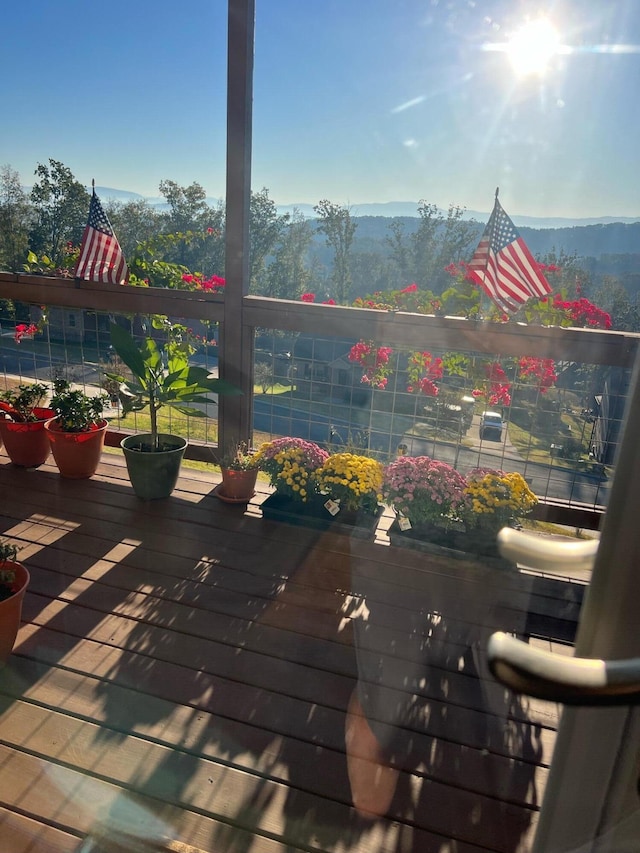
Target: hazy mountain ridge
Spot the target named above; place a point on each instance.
(587, 238)
(388, 210)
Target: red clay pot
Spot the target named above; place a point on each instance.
(11, 609)
(238, 485)
(27, 444)
(77, 454)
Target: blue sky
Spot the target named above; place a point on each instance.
(354, 100)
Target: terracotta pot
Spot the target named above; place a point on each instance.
(11, 609)
(238, 485)
(27, 444)
(77, 454)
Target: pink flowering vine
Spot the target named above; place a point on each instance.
(496, 388)
(214, 284)
(22, 329)
(541, 370)
(374, 361)
(423, 369)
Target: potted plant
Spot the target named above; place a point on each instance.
(239, 474)
(290, 463)
(494, 499)
(160, 376)
(77, 433)
(351, 481)
(14, 579)
(22, 420)
(427, 497)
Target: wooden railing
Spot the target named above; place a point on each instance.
(239, 318)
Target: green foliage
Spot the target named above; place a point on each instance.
(14, 220)
(153, 264)
(43, 265)
(238, 458)
(60, 206)
(162, 376)
(8, 552)
(288, 274)
(75, 410)
(338, 227)
(263, 376)
(18, 403)
(266, 229)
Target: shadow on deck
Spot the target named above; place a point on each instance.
(183, 677)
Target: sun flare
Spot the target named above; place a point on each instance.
(532, 47)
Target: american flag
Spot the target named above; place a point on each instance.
(101, 257)
(504, 267)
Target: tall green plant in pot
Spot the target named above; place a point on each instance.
(160, 376)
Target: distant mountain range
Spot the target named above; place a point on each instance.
(388, 210)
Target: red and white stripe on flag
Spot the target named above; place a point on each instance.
(101, 258)
(504, 267)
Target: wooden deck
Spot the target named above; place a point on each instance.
(182, 678)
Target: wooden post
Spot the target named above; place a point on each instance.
(236, 339)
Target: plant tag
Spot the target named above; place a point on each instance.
(404, 523)
(332, 507)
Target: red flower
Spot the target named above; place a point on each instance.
(22, 330)
(308, 297)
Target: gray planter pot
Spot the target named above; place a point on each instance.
(153, 474)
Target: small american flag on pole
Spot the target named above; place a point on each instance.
(101, 257)
(504, 267)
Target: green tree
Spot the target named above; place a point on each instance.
(134, 222)
(188, 208)
(612, 297)
(396, 242)
(338, 227)
(288, 275)
(15, 218)
(189, 213)
(61, 206)
(370, 271)
(439, 241)
(263, 376)
(266, 227)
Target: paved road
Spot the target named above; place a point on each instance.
(550, 481)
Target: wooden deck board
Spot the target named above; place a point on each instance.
(190, 664)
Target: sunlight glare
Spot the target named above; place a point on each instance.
(532, 46)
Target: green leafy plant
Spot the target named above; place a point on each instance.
(239, 458)
(75, 410)
(162, 376)
(43, 265)
(8, 554)
(20, 404)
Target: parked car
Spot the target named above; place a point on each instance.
(491, 425)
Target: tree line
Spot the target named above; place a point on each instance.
(290, 255)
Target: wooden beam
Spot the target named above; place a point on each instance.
(236, 338)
